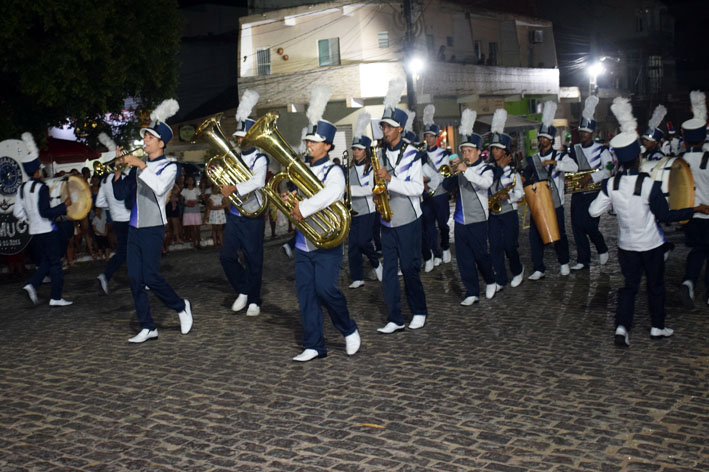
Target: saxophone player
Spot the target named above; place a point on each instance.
(504, 225)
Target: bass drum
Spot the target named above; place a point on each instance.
(677, 181)
(77, 188)
(541, 205)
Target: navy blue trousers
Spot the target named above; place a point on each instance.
(360, 242)
(471, 251)
(245, 234)
(435, 210)
(583, 226)
(632, 265)
(377, 233)
(49, 248)
(143, 260)
(120, 228)
(401, 246)
(504, 240)
(316, 276)
(537, 247)
(697, 238)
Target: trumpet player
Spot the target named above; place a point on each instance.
(471, 181)
(361, 180)
(504, 225)
(147, 188)
(588, 155)
(242, 233)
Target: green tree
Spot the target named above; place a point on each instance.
(77, 60)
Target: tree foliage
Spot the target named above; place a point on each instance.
(77, 60)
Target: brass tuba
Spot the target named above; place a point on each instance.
(572, 182)
(227, 168)
(327, 228)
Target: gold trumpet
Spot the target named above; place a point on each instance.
(115, 164)
(495, 200)
(381, 196)
(327, 228)
(572, 182)
(227, 168)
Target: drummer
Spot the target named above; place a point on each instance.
(549, 164)
(32, 206)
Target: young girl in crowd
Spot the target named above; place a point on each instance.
(216, 205)
(192, 217)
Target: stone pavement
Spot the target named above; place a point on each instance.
(530, 380)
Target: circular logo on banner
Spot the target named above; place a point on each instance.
(14, 235)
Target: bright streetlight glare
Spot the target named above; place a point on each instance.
(416, 65)
(596, 69)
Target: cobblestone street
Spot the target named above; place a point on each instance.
(529, 380)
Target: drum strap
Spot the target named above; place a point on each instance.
(22, 190)
(639, 183)
(705, 158)
(616, 181)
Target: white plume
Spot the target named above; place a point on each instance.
(107, 141)
(301, 146)
(467, 120)
(589, 108)
(165, 110)
(410, 121)
(32, 151)
(623, 112)
(396, 88)
(499, 119)
(247, 103)
(428, 113)
(657, 116)
(319, 96)
(361, 126)
(548, 113)
(699, 105)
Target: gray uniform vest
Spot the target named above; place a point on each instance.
(505, 180)
(437, 158)
(402, 206)
(361, 204)
(472, 202)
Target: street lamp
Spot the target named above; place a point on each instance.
(594, 70)
(416, 66)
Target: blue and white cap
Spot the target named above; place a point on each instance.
(431, 129)
(588, 124)
(695, 130)
(361, 142)
(246, 105)
(625, 145)
(157, 126)
(322, 131)
(158, 129)
(394, 117)
(654, 135)
(501, 140)
(243, 127)
(472, 140)
(546, 130)
(410, 137)
(30, 162)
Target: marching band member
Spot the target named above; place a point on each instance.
(671, 145)
(653, 136)
(504, 225)
(401, 237)
(549, 164)
(435, 208)
(120, 216)
(361, 183)
(638, 201)
(317, 270)
(148, 187)
(588, 155)
(694, 132)
(242, 232)
(32, 206)
(472, 180)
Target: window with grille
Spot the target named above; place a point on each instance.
(492, 56)
(383, 38)
(263, 59)
(478, 45)
(329, 52)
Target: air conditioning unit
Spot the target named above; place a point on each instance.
(536, 36)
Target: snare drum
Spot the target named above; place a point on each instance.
(677, 181)
(60, 187)
(541, 205)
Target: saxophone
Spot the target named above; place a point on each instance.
(495, 200)
(381, 196)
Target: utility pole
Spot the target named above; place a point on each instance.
(408, 55)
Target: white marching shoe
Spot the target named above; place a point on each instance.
(446, 256)
(603, 257)
(622, 337)
(379, 271)
(352, 343)
(288, 250)
(565, 269)
(103, 282)
(253, 310)
(687, 292)
(240, 302)
(144, 335)
(428, 266)
(657, 333)
(517, 279)
(31, 292)
(536, 275)
(437, 261)
(578, 266)
(308, 355)
(391, 327)
(60, 302)
(417, 322)
(490, 290)
(357, 284)
(469, 300)
(186, 318)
